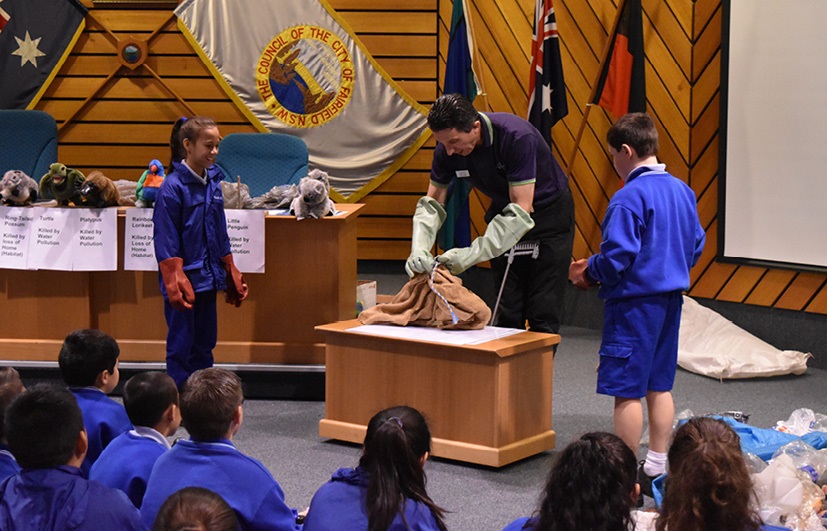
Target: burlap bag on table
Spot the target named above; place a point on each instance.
(416, 304)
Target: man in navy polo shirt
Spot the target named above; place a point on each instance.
(507, 159)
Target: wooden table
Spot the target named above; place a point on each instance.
(488, 403)
(310, 279)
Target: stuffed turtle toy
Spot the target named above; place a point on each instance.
(63, 184)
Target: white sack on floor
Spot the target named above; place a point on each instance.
(711, 345)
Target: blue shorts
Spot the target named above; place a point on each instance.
(639, 352)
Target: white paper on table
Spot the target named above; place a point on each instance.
(138, 241)
(435, 335)
(96, 239)
(245, 229)
(51, 244)
(17, 227)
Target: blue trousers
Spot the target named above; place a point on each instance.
(191, 336)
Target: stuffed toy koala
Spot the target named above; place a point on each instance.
(63, 184)
(99, 191)
(313, 200)
(18, 189)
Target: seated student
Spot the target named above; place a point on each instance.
(196, 509)
(89, 364)
(44, 428)
(592, 486)
(387, 490)
(151, 401)
(708, 486)
(10, 388)
(212, 413)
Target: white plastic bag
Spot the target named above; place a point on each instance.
(711, 345)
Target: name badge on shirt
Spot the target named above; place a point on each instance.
(463, 173)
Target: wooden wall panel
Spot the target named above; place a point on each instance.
(127, 121)
(682, 40)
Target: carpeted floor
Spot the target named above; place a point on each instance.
(283, 434)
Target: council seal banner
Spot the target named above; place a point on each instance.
(293, 66)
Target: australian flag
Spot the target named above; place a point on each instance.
(36, 36)
(547, 101)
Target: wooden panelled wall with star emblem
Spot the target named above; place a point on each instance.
(117, 120)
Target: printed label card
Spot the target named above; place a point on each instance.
(138, 242)
(246, 231)
(52, 239)
(96, 239)
(17, 227)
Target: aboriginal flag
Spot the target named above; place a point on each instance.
(36, 37)
(547, 102)
(622, 85)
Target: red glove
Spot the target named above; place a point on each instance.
(236, 287)
(179, 289)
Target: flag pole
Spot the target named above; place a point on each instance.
(476, 56)
(603, 58)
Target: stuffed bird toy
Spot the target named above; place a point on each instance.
(149, 183)
(63, 184)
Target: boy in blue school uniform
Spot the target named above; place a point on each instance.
(212, 413)
(10, 388)
(44, 428)
(89, 364)
(651, 239)
(151, 401)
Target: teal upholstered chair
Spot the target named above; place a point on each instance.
(30, 142)
(263, 160)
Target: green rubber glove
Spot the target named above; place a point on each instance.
(502, 233)
(427, 220)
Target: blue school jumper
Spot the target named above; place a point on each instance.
(340, 504)
(103, 418)
(126, 463)
(60, 498)
(8, 464)
(244, 483)
(651, 239)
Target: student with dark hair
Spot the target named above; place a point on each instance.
(89, 364)
(212, 413)
(151, 401)
(10, 388)
(177, 150)
(592, 487)
(196, 509)
(387, 490)
(44, 428)
(708, 486)
(192, 247)
(651, 239)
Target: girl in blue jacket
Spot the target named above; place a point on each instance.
(193, 250)
(387, 490)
